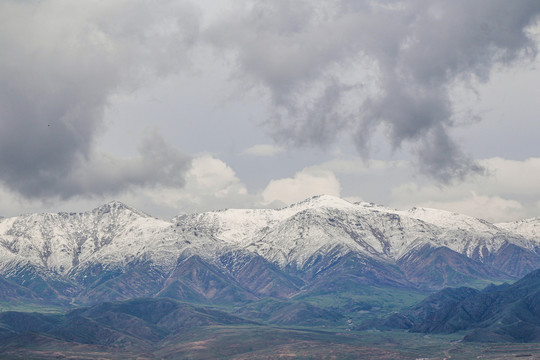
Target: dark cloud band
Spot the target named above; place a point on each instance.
(419, 49)
(60, 63)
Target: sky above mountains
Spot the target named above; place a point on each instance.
(183, 106)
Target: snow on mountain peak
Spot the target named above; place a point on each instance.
(115, 233)
(528, 228)
(323, 201)
(115, 207)
(241, 226)
(449, 220)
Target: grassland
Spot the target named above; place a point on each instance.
(263, 342)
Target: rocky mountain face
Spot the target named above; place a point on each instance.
(323, 244)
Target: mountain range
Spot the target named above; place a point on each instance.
(319, 246)
(301, 281)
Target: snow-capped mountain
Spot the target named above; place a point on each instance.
(528, 229)
(115, 251)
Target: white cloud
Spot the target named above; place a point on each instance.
(210, 184)
(513, 176)
(263, 150)
(306, 183)
(509, 192)
(491, 208)
(211, 176)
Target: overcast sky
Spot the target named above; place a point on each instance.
(185, 106)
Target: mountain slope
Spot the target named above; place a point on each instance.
(504, 313)
(435, 267)
(203, 282)
(115, 252)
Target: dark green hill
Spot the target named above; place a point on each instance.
(137, 325)
(504, 313)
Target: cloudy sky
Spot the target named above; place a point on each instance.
(182, 106)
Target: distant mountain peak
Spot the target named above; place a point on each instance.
(117, 206)
(323, 201)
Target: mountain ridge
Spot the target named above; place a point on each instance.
(297, 246)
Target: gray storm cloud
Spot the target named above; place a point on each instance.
(60, 63)
(364, 66)
(330, 67)
(158, 163)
